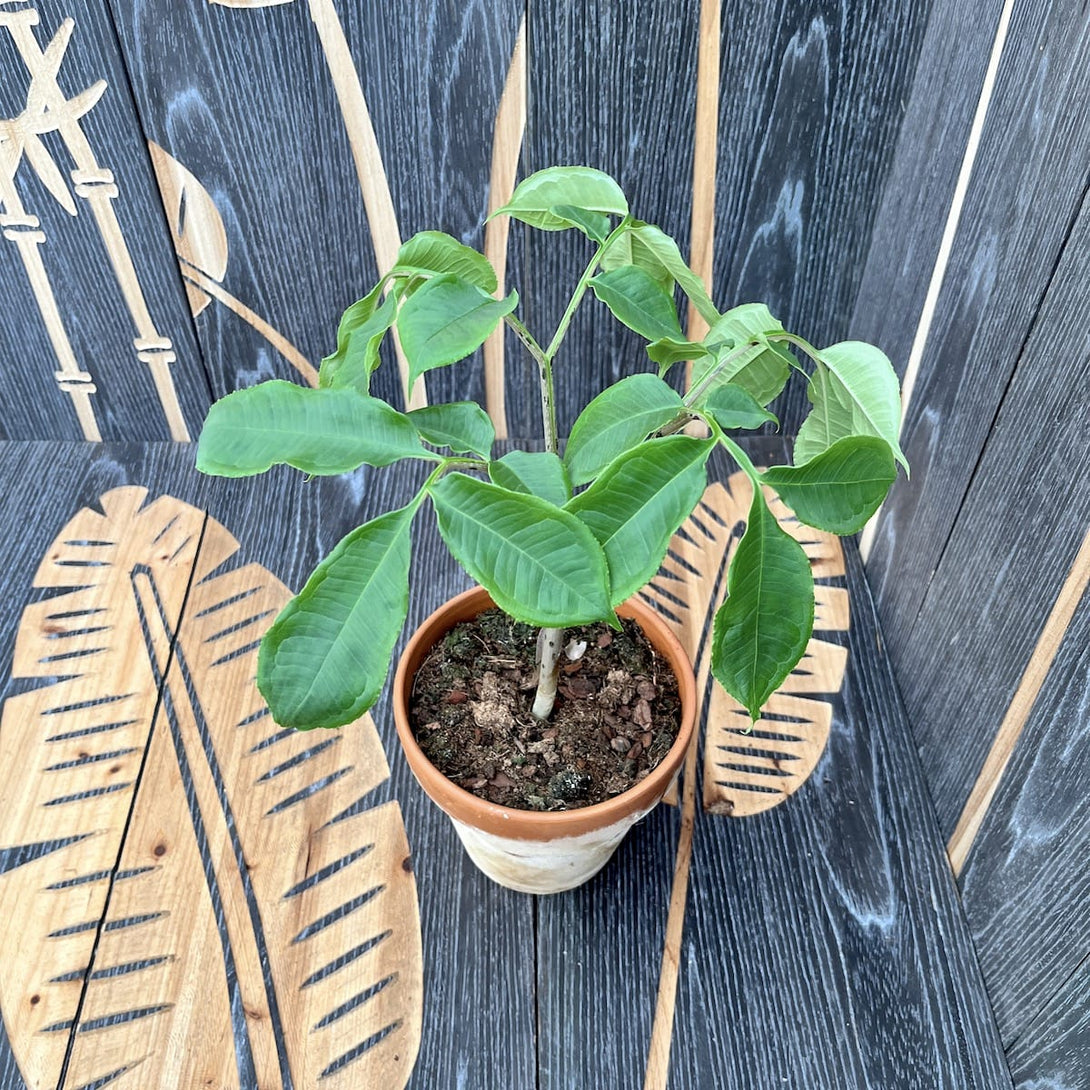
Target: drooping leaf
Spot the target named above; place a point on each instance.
(762, 629)
(540, 563)
(212, 785)
(651, 249)
(593, 224)
(638, 301)
(854, 391)
(619, 417)
(733, 406)
(358, 342)
(638, 502)
(541, 473)
(321, 432)
(434, 253)
(763, 369)
(535, 198)
(324, 660)
(461, 425)
(667, 351)
(839, 489)
(446, 319)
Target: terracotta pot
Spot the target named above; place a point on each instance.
(527, 850)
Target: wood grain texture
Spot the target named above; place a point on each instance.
(1018, 214)
(1026, 885)
(811, 103)
(91, 288)
(1018, 533)
(1054, 1052)
(591, 103)
(824, 945)
(244, 99)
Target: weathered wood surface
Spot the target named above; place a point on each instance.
(248, 99)
(562, 991)
(812, 96)
(1054, 1052)
(1026, 886)
(1017, 221)
(92, 296)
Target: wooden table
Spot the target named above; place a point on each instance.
(191, 898)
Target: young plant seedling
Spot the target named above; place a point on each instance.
(559, 540)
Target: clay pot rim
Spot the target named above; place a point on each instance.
(504, 821)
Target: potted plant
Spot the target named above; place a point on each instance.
(557, 540)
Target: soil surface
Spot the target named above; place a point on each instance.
(616, 716)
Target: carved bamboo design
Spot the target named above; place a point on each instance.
(48, 110)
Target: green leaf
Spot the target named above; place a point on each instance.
(324, 661)
(761, 630)
(445, 320)
(593, 224)
(763, 370)
(733, 406)
(358, 341)
(461, 425)
(618, 418)
(667, 351)
(840, 488)
(434, 253)
(540, 564)
(651, 249)
(319, 431)
(637, 504)
(535, 198)
(540, 473)
(854, 391)
(639, 302)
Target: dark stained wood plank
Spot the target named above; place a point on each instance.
(911, 219)
(612, 89)
(811, 103)
(1054, 1052)
(824, 943)
(1026, 885)
(77, 299)
(1018, 531)
(245, 101)
(1017, 217)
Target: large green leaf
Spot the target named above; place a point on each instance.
(619, 417)
(762, 629)
(593, 224)
(461, 425)
(651, 249)
(434, 253)
(638, 301)
(540, 563)
(733, 406)
(637, 504)
(763, 369)
(854, 391)
(323, 431)
(536, 199)
(541, 473)
(358, 341)
(840, 488)
(445, 320)
(325, 658)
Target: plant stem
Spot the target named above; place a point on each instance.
(581, 289)
(549, 643)
(709, 380)
(545, 377)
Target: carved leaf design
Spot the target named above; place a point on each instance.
(176, 850)
(747, 771)
(194, 221)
